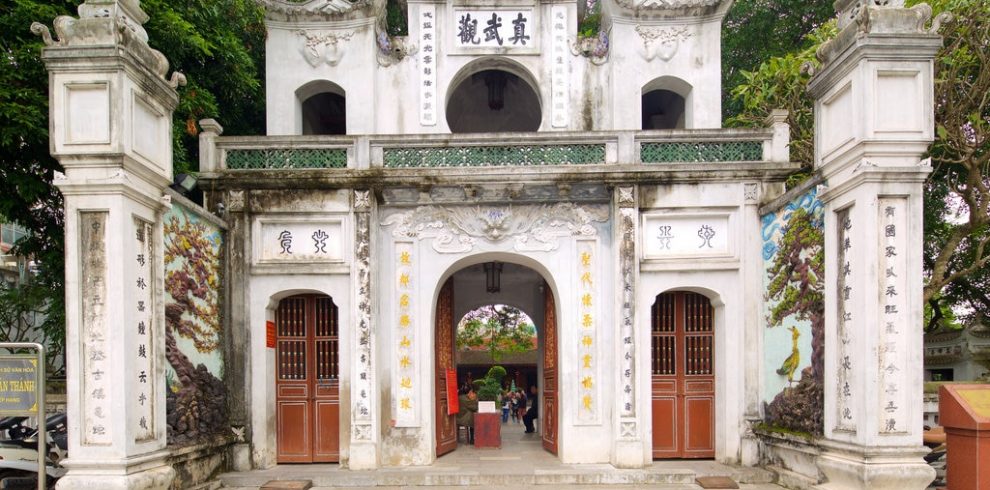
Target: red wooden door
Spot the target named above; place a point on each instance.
(446, 424)
(548, 412)
(307, 385)
(683, 376)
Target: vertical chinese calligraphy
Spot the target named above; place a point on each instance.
(845, 408)
(588, 400)
(561, 60)
(361, 385)
(892, 277)
(428, 65)
(143, 322)
(627, 264)
(405, 369)
(96, 426)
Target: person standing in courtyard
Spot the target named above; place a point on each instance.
(533, 411)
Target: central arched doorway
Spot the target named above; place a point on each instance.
(493, 96)
(470, 288)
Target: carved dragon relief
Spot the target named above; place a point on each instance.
(532, 228)
(100, 24)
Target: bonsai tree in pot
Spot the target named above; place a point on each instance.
(487, 423)
(490, 387)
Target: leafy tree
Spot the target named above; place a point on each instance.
(957, 197)
(26, 171)
(756, 30)
(779, 83)
(501, 329)
(957, 194)
(218, 44)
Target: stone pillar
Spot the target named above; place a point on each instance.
(874, 121)
(630, 451)
(111, 112)
(364, 389)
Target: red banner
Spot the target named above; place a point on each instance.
(270, 334)
(453, 402)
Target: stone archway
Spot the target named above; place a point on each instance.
(521, 281)
(493, 95)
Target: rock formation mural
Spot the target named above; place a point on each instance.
(196, 398)
(794, 340)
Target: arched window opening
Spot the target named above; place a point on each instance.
(491, 101)
(323, 108)
(663, 109)
(324, 113)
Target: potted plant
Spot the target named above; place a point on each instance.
(487, 422)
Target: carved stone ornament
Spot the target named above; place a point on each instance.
(288, 10)
(362, 432)
(319, 48)
(594, 48)
(751, 192)
(532, 228)
(362, 199)
(627, 430)
(392, 49)
(861, 17)
(109, 23)
(235, 201)
(627, 196)
(661, 42)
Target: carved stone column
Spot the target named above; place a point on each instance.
(629, 450)
(364, 447)
(874, 120)
(111, 112)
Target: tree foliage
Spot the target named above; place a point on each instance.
(779, 83)
(957, 197)
(957, 194)
(757, 30)
(500, 329)
(27, 169)
(218, 44)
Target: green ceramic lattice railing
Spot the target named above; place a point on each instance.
(283, 158)
(702, 151)
(491, 156)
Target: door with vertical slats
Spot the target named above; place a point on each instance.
(307, 384)
(446, 430)
(683, 365)
(548, 412)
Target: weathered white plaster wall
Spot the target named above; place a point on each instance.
(720, 277)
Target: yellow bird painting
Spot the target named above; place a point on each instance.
(792, 362)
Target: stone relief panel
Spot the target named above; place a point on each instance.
(195, 395)
(794, 309)
(686, 235)
(531, 228)
(661, 42)
(322, 47)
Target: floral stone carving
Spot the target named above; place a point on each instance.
(532, 228)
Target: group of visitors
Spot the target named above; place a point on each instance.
(514, 404)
